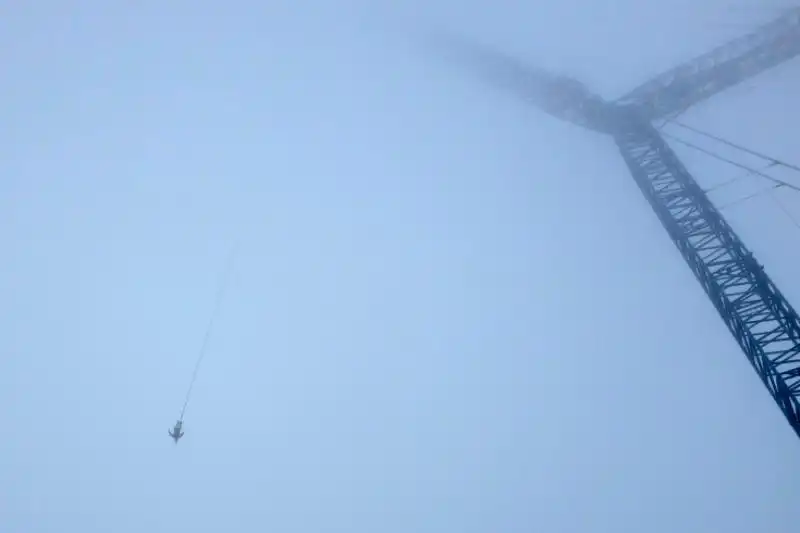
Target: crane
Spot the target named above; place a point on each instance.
(761, 320)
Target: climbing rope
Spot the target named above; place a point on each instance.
(204, 347)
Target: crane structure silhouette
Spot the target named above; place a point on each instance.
(761, 320)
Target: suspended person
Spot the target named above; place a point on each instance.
(176, 432)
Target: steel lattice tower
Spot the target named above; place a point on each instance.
(761, 320)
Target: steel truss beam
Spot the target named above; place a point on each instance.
(759, 317)
(683, 86)
(762, 322)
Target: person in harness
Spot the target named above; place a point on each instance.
(176, 433)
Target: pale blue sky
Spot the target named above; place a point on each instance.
(449, 313)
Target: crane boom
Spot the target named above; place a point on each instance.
(681, 87)
(761, 320)
(759, 317)
(560, 96)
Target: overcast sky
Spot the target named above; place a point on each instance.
(449, 312)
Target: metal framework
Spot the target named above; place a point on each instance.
(680, 88)
(759, 317)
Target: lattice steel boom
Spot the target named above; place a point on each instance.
(759, 317)
(681, 87)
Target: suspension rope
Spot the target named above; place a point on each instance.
(204, 347)
(725, 183)
(747, 198)
(784, 209)
(773, 160)
(734, 163)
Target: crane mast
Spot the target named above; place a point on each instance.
(759, 317)
(761, 320)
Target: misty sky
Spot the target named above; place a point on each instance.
(449, 312)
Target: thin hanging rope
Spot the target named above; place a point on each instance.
(203, 348)
(785, 210)
(734, 163)
(747, 198)
(773, 160)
